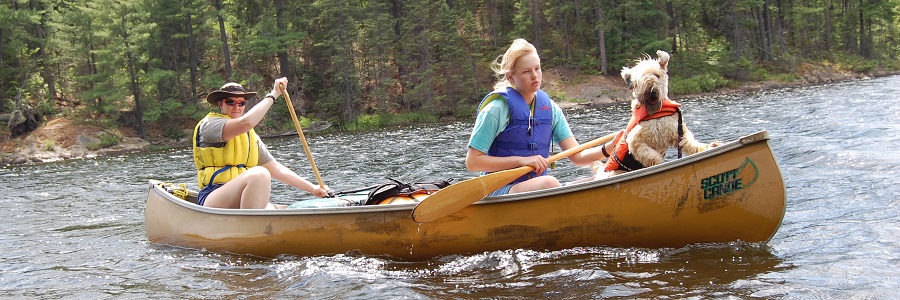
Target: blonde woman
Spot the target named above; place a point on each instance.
(517, 122)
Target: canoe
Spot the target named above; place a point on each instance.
(734, 192)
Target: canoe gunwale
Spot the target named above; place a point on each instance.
(155, 187)
(760, 136)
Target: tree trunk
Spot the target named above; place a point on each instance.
(780, 29)
(283, 62)
(847, 34)
(762, 35)
(225, 53)
(736, 34)
(135, 86)
(826, 32)
(601, 39)
(494, 22)
(767, 30)
(396, 12)
(192, 54)
(42, 55)
(673, 23)
(536, 24)
(2, 83)
(862, 33)
(567, 40)
(92, 64)
(867, 39)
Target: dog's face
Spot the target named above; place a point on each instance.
(648, 81)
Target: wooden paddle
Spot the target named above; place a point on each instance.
(455, 197)
(287, 99)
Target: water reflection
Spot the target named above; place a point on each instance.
(712, 269)
(515, 274)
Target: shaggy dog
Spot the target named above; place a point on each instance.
(655, 124)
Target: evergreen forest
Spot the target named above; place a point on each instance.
(148, 64)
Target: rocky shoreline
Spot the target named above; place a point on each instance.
(61, 139)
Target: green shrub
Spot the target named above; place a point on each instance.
(464, 111)
(48, 145)
(365, 122)
(560, 96)
(93, 146)
(865, 66)
(106, 140)
(783, 77)
(375, 121)
(172, 133)
(697, 84)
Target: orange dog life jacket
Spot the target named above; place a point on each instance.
(621, 158)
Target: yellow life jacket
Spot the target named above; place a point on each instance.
(223, 162)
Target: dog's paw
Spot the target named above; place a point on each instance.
(710, 145)
(652, 161)
(597, 167)
(601, 175)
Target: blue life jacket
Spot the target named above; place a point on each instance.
(525, 135)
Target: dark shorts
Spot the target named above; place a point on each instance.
(503, 190)
(201, 196)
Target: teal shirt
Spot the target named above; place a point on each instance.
(493, 118)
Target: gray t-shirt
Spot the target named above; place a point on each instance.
(211, 135)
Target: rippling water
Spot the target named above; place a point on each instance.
(74, 229)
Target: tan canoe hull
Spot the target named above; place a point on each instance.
(729, 193)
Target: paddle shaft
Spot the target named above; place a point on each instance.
(287, 99)
(455, 197)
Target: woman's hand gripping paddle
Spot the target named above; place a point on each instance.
(287, 99)
(457, 196)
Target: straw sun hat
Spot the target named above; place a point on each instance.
(228, 90)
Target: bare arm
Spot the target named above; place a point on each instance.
(241, 125)
(235, 127)
(585, 157)
(287, 176)
(481, 162)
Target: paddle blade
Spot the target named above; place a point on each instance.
(457, 196)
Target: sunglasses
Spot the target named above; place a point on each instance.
(232, 103)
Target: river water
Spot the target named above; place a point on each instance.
(75, 229)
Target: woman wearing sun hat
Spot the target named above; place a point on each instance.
(234, 168)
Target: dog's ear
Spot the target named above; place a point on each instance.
(663, 58)
(626, 74)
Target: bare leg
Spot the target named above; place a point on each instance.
(251, 189)
(581, 180)
(534, 184)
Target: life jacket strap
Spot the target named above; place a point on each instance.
(223, 169)
(621, 164)
(680, 130)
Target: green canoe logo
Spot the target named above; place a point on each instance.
(730, 181)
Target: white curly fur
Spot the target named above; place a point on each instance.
(649, 140)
